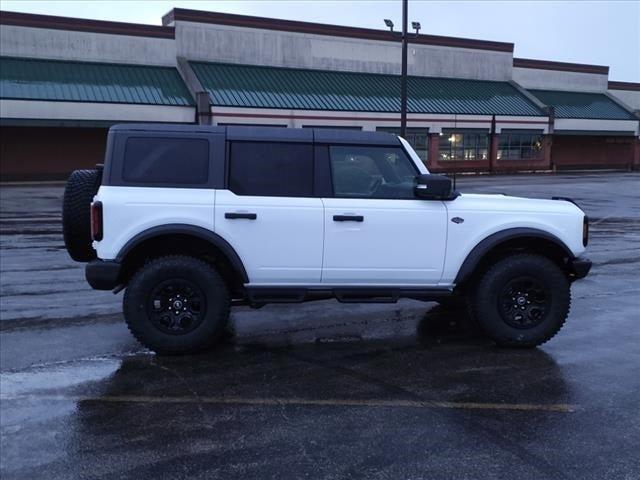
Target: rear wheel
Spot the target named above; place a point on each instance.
(176, 305)
(522, 301)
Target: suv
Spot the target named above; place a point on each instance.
(192, 220)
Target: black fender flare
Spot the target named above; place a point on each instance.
(186, 229)
(487, 244)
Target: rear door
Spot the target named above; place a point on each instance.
(268, 212)
(376, 231)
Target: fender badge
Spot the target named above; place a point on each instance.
(457, 220)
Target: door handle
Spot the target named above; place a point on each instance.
(348, 218)
(237, 216)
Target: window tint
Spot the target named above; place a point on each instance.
(183, 161)
(271, 169)
(372, 172)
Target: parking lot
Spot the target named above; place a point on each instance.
(321, 390)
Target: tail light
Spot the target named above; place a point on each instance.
(585, 231)
(96, 221)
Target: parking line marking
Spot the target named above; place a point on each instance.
(553, 407)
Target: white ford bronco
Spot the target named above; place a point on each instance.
(192, 220)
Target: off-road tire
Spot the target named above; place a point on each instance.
(486, 297)
(137, 298)
(81, 187)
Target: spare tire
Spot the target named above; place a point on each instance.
(76, 213)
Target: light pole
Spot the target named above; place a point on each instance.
(403, 74)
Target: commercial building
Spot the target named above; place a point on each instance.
(472, 105)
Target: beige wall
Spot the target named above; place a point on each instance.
(222, 43)
(18, 41)
(560, 80)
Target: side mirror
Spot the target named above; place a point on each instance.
(434, 187)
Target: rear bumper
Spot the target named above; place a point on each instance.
(579, 267)
(103, 274)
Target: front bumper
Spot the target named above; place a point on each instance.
(579, 267)
(103, 274)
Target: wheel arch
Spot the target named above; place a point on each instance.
(183, 239)
(506, 242)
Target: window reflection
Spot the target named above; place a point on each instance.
(520, 145)
(418, 138)
(464, 145)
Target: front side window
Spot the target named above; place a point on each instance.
(464, 145)
(418, 138)
(166, 161)
(372, 172)
(271, 169)
(519, 145)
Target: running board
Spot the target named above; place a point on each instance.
(262, 295)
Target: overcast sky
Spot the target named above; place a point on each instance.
(596, 32)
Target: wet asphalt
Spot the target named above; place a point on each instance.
(320, 390)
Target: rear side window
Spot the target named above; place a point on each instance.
(271, 169)
(155, 160)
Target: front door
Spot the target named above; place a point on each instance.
(376, 232)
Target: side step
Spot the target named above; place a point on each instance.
(259, 296)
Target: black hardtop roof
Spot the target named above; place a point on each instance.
(276, 134)
(166, 127)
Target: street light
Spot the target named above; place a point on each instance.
(403, 76)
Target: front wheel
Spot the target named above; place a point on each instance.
(176, 305)
(522, 301)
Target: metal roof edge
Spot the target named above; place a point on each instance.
(560, 66)
(529, 96)
(631, 86)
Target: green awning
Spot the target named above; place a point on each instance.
(582, 105)
(35, 79)
(288, 88)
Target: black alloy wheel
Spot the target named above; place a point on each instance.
(524, 302)
(176, 306)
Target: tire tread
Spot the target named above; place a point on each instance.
(476, 306)
(80, 189)
(175, 261)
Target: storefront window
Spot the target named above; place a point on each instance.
(464, 145)
(418, 138)
(520, 145)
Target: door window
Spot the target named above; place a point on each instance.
(271, 169)
(372, 172)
